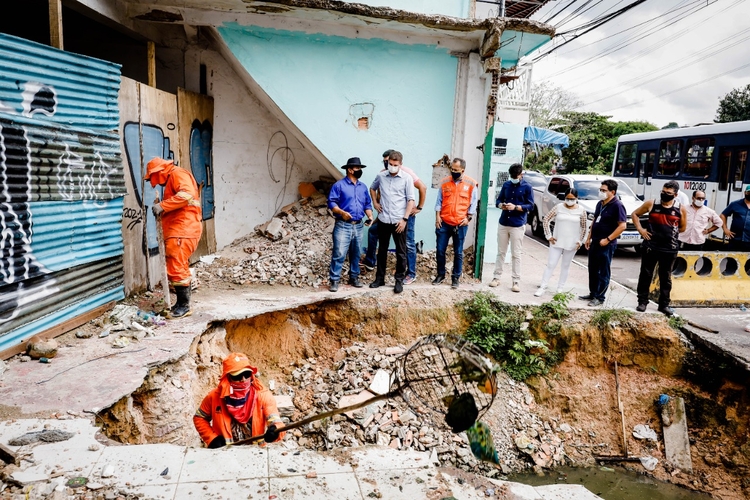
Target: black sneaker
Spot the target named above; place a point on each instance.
(667, 311)
(454, 282)
(334, 286)
(586, 297)
(377, 284)
(641, 308)
(438, 279)
(399, 287)
(355, 283)
(595, 303)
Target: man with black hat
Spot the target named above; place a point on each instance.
(349, 201)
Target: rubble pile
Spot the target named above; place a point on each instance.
(294, 248)
(359, 372)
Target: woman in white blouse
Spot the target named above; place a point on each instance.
(568, 236)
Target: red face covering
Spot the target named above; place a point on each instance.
(240, 401)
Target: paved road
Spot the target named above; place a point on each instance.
(625, 266)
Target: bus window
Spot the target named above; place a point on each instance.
(646, 166)
(739, 169)
(669, 158)
(626, 155)
(698, 158)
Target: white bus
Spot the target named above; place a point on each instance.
(709, 158)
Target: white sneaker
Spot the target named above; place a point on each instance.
(540, 291)
(516, 287)
(495, 282)
(560, 289)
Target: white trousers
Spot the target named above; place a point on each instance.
(514, 236)
(554, 257)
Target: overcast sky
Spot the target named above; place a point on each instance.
(681, 52)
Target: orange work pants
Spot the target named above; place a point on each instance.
(178, 252)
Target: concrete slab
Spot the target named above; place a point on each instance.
(242, 488)
(565, 492)
(142, 464)
(339, 486)
(237, 462)
(413, 484)
(282, 463)
(152, 492)
(380, 458)
(517, 491)
(676, 439)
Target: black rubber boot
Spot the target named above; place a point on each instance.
(182, 307)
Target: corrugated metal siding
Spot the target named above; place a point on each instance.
(61, 188)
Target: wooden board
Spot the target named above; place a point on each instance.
(159, 137)
(134, 257)
(196, 116)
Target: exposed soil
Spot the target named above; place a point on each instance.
(571, 418)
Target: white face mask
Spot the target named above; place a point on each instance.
(393, 169)
(602, 196)
(515, 181)
(698, 203)
(570, 203)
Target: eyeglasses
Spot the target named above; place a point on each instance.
(240, 376)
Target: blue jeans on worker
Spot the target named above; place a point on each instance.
(600, 262)
(347, 239)
(411, 247)
(444, 234)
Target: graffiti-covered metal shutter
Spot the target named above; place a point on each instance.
(61, 188)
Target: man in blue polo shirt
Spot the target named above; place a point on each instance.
(516, 199)
(739, 232)
(610, 220)
(349, 201)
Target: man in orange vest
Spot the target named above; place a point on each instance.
(181, 216)
(455, 207)
(239, 408)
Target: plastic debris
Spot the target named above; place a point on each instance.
(164, 472)
(641, 431)
(649, 463)
(76, 482)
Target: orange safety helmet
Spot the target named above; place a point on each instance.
(153, 168)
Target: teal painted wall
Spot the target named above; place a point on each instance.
(455, 8)
(315, 79)
(516, 44)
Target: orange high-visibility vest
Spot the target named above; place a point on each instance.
(456, 199)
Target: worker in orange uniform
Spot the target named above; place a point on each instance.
(455, 207)
(181, 216)
(239, 408)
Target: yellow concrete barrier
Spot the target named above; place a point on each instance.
(708, 279)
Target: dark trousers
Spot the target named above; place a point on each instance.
(690, 247)
(737, 245)
(385, 231)
(649, 259)
(600, 261)
(444, 234)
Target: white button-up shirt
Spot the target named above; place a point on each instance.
(395, 193)
(698, 220)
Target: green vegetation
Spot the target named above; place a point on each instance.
(676, 322)
(735, 106)
(549, 314)
(500, 330)
(606, 318)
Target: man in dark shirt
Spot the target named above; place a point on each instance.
(739, 232)
(610, 220)
(516, 199)
(349, 201)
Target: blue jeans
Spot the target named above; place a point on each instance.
(411, 247)
(347, 239)
(600, 261)
(444, 234)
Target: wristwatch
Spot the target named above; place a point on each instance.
(405, 219)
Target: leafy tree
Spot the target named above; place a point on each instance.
(541, 161)
(593, 140)
(670, 125)
(549, 102)
(735, 106)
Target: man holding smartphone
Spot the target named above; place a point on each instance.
(349, 200)
(516, 200)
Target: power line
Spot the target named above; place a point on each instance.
(747, 65)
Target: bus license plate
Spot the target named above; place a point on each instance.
(630, 236)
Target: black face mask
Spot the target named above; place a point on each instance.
(747, 196)
(356, 174)
(456, 175)
(667, 197)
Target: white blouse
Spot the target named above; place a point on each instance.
(570, 226)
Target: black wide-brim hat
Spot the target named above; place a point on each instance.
(353, 162)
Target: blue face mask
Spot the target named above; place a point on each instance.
(515, 181)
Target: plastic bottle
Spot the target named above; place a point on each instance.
(150, 318)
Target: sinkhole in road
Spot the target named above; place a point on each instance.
(317, 355)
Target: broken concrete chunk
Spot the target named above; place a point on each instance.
(46, 436)
(319, 200)
(107, 471)
(41, 348)
(274, 230)
(381, 383)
